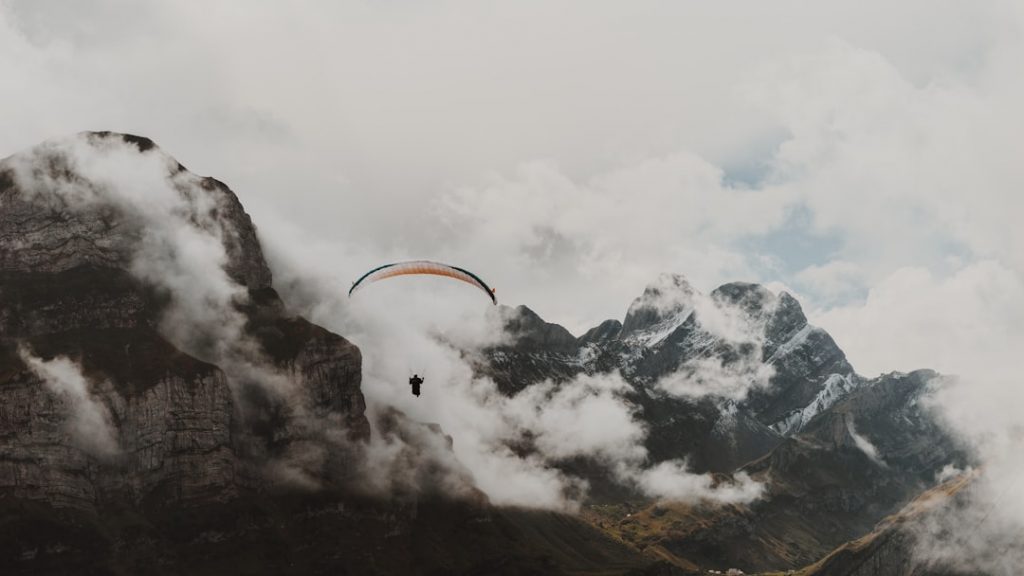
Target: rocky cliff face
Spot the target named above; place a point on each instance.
(61, 211)
(89, 333)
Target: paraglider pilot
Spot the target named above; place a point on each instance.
(415, 382)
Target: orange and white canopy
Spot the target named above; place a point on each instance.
(422, 267)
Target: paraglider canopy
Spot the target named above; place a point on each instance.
(422, 267)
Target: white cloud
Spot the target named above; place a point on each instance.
(88, 420)
(173, 228)
(916, 180)
(583, 417)
(714, 377)
(671, 480)
(610, 231)
(967, 323)
(864, 445)
(511, 446)
(391, 108)
(730, 379)
(835, 281)
(902, 172)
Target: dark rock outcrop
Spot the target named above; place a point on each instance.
(183, 427)
(56, 218)
(603, 332)
(530, 332)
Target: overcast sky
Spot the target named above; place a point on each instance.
(863, 155)
(866, 156)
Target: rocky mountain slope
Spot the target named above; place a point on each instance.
(823, 488)
(176, 426)
(674, 357)
(162, 412)
(837, 452)
(888, 549)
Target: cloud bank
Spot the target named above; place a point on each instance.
(511, 447)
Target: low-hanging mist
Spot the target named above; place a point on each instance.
(87, 421)
(175, 232)
(179, 243)
(433, 328)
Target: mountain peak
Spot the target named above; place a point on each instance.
(667, 297)
(100, 198)
(141, 142)
(603, 332)
(529, 330)
(780, 315)
(749, 296)
(126, 329)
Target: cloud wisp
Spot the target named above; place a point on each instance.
(88, 420)
(173, 232)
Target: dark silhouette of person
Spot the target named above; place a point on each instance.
(415, 382)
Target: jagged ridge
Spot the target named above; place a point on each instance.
(803, 434)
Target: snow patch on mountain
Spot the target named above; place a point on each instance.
(794, 343)
(656, 334)
(668, 298)
(836, 387)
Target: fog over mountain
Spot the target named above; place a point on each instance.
(723, 406)
(762, 262)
